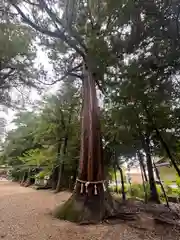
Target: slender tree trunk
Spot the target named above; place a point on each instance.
(170, 155)
(162, 187)
(143, 174)
(61, 163)
(54, 177)
(153, 190)
(122, 182)
(55, 174)
(144, 185)
(141, 161)
(75, 173)
(163, 142)
(115, 177)
(61, 169)
(146, 145)
(23, 179)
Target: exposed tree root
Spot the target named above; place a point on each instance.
(91, 209)
(169, 221)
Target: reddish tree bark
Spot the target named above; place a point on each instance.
(89, 202)
(91, 157)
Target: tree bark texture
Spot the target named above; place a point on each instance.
(61, 162)
(142, 165)
(91, 157)
(115, 178)
(87, 205)
(54, 177)
(144, 185)
(122, 183)
(170, 155)
(162, 187)
(153, 190)
(163, 142)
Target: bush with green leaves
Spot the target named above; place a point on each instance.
(16, 174)
(119, 188)
(178, 181)
(137, 190)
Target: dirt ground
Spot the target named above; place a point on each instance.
(25, 215)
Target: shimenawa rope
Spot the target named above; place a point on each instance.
(86, 184)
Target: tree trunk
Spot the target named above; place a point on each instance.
(61, 168)
(162, 187)
(163, 142)
(144, 185)
(55, 173)
(141, 161)
(24, 178)
(153, 190)
(143, 174)
(115, 178)
(91, 156)
(90, 202)
(122, 183)
(74, 176)
(55, 177)
(171, 157)
(61, 164)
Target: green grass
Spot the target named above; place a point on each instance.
(137, 191)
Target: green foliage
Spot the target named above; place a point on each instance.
(21, 139)
(42, 174)
(178, 181)
(112, 175)
(38, 157)
(14, 40)
(17, 55)
(137, 190)
(169, 190)
(119, 188)
(16, 174)
(36, 139)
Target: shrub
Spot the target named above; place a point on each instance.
(178, 181)
(119, 189)
(40, 175)
(16, 174)
(169, 190)
(176, 192)
(137, 190)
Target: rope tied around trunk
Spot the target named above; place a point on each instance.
(86, 184)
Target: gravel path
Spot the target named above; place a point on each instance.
(24, 215)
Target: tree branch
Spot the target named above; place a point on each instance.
(31, 3)
(90, 14)
(56, 19)
(66, 74)
(55, 34)
(76, 75)
(5, 76)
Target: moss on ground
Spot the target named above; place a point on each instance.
(68, 211)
